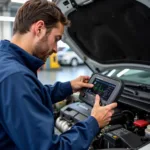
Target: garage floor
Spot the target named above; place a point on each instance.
(63, 74)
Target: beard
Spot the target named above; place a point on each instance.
(42, 49)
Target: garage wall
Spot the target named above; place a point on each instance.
(0, 24)
(7, 27)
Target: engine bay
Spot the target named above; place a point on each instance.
(130, 124)
(111, 36)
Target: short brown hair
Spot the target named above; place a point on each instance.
(35, 10)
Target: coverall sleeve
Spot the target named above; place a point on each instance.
(59, 91)
(30, 124)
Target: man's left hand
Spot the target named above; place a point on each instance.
(80, 83)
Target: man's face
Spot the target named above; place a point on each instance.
(48, 43)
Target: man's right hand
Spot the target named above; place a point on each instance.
(102, 114)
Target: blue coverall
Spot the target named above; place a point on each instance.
(26, 114)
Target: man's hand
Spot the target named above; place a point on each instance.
(102, 114)
(80, 83)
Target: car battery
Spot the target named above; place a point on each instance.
(112, 140)
(124, 138)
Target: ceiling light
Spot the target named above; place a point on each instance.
(111, 73)
(6, 18)
(122, 72)
(18, 1)
(21, 1)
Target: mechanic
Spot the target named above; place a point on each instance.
(26, 115)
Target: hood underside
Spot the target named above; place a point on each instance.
(110, 31)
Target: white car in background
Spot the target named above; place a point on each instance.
(67, 56)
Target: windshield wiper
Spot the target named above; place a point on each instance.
(131, 91)
(137, 86)
(135, 94)
(138, 90)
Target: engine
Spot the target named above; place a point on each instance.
(129, 128)
(130, 124)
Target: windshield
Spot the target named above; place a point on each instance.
(139, 76)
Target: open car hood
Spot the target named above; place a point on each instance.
(108, 33)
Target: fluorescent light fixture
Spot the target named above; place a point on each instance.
(21, 1)
(18, 1)
(122, 72)
(6, 18)
(111, 73)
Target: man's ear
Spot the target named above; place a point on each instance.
(39, 29)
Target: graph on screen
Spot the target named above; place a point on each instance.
(102, 88)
